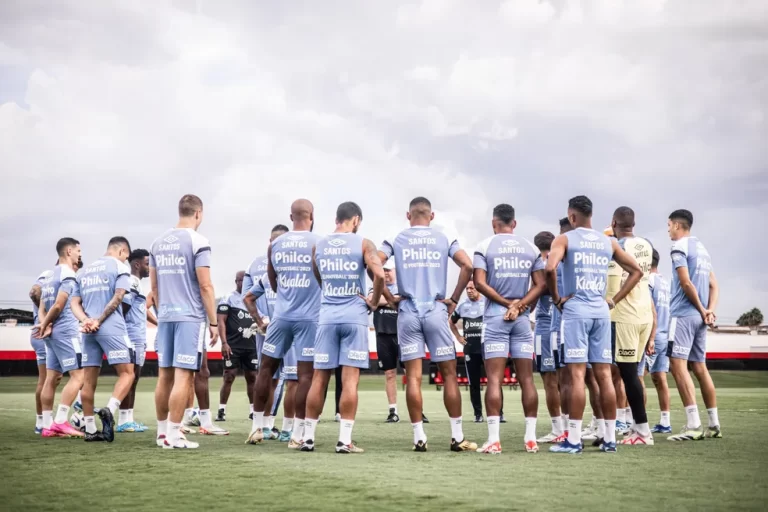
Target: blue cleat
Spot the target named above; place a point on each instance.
(77, 406)
(141, 427)
(38, 430)
(129, 427)
(608, 447)
(566, 447)
(660, 429)
(285, 436)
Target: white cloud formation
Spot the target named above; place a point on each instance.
(110, 111)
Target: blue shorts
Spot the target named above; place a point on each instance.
(416, 334)
(288, 366)
(659, 361)
(547, 351)
(341, 345)
(284, 334)
(139, 353)
(118, 349)
(502, 338)
(587, 340)
(39, 347)
(63, 353)
(180, 345)
(688, 339)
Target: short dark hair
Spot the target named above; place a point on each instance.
(119, 240)
(138, 254)
(543, 241)
(280, 228)
(348, 210)
(684, 217)
(420, 201)
(189, 204)
(564, 222)
(655, 259)
(581, 204)
(63, 244)
(504, 212)
(624, 217)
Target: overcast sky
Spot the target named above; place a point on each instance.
(111, 110)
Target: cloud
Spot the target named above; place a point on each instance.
(109, 113)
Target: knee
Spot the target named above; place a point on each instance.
(229, 378)
(390, 374)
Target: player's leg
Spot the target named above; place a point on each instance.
(187, 354)
(120, 356)
(39, 347)
(87, 394)
(228, 378)
(698, 363)
(659, 370)
(67, 358)
(326, 359)
(278, 341)
(596, 430)
(250, 381)
(202, 393)
(126, 421)
(387, 352)
(289, 408)
(338, 390)
(522, 352)
(600, 355)
(681, 337)
(412, 352)
(546, 363)
(473, 364)
(630, 345)
(575, 334)
(304, 334)
(353, 357)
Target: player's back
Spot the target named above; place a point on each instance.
(659, 288)
(298, 294)
(255, 271)
(585, 271)
(175, 255)
(136, 317)
(421, 262)
(691, 253)
(61, 278)
(509, 260)
(636, 306)
(339, 260)
(263, 290)
(543, 315)
(98, 283)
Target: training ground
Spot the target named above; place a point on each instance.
(225, 474)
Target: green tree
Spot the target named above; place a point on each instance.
(751, 318)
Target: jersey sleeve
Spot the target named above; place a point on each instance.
(201, 249)
(456, 316)
(247, 281)
(679, 253)
(453, 248)
(478, 258)
(388, 247)
(223, 307)
(257, 290)
(124, 279)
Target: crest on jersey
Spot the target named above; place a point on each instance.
(591, 237)
(170, 239)
(295, 238)
(421, 234)
(337, 242)
(510, 243)
(240, 315)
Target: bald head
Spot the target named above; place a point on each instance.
(302, 215)
(239, 280)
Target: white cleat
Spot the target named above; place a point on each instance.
(181, 443)
(213, 431)
(637, 439)
(551, 438)
(588, 434)
(255, 437)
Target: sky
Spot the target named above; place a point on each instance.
(111, 110)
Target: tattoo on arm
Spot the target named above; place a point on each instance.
(116, 300)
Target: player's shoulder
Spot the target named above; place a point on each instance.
(166, 236)
(135, 284)
(122, 268)
(483, 246)
(198, 241)
(45, 275)
(65, 272)
(681, 245)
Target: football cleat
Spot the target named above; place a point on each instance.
(551, 438)
(222, 416)
(307, 446)
(421, 446)
(424, 418)
(479, 419)
(64, 430)
(597, 442)
(637, 439)
(566, 447)
(255, 437)
(47, 432)
(160, 440)
(337, 418)
(688, 434)
(622, 429)
(502, 419)
(463, 446)
(268, 434)
(107, 424)
(213, 430)
(588, 434)
(186, 430)
(531, 446)
(141, 427)
(129, 427)
(77, 420)
(348, 448)
(294, 445)
(393, 417)
(608, 447)
(661, 429)
(714, 432)
(490, 448)
(38, 430)
(181, 443)
(95, 437)
(285, 436)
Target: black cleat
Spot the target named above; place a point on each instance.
(107, 424)
(421, 446)
(307, 446)
(597, 442)
(393, 417)
(502, 419)
(275, 433)
(424, 418)
(479, 418)
(222, 416)
(95, 437)
(250, 416)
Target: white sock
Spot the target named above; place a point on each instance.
(287, 424)
(162, 427)
(457, 432)
(298, 429)
(47, 419)
(628, 415)
(269, 422)
(258, 421)
(418, 432)
(610, 431)
(174, 433)
(309, 429)
(714, 421)
(90, 425)
(593, 423)
(557, 426)
(565, 418)
(600, 429)
(113, 405)
(224, 407)
(205, 418)
(188, 413)
(130, 416)
(123, 417)
(574, 431)
(345, 432)
(493, 428)
(530, 429)
(393, 406)
(39, 421)
(61, 414)
(665, 420)
(692, 414)
(643, 429)
(621, 415)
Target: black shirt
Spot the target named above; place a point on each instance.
(472, 315)
(385, 318)
(238, 319)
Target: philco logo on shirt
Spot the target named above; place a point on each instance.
(511, 263)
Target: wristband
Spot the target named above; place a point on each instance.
(454, 300)
(214, 325)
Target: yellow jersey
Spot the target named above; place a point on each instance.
(636, 306)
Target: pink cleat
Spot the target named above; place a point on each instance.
(50, 433)
(66, 430)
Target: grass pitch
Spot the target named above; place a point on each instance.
(225, 474)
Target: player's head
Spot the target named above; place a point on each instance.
(655, 260)
(543, 242)
(503, 218)
(420, 211)
(139, 261)
(68, 250)
(79, 263)
(565, 225)
(679, 224)
(472, 292)
(389, 271)
(350, 215)
(580, 211)
(623, 220)
(303, 215)
(191, 209)
(119, 247)
(277, 231)
(239, 280)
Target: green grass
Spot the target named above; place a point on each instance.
(225, 474)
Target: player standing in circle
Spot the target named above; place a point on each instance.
(180, 273)
(470, 314)
(38, 346)
(421, 258)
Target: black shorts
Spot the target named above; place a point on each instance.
(387, 351)
(243, 357)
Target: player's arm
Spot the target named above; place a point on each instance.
(271, 272)
(153, 299)
(480, 278)
(316, 270)
(690, 290)
(629, 265)
(455, 318)
(376, 271)
(654, 327)
(51, 315)
(208, 295)
(151, 318)
(221, 320)
(714, 296)
(534, 292)
(110, 308)
(35, 293)
(256, 291)
(464, 262)
(556, 255)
